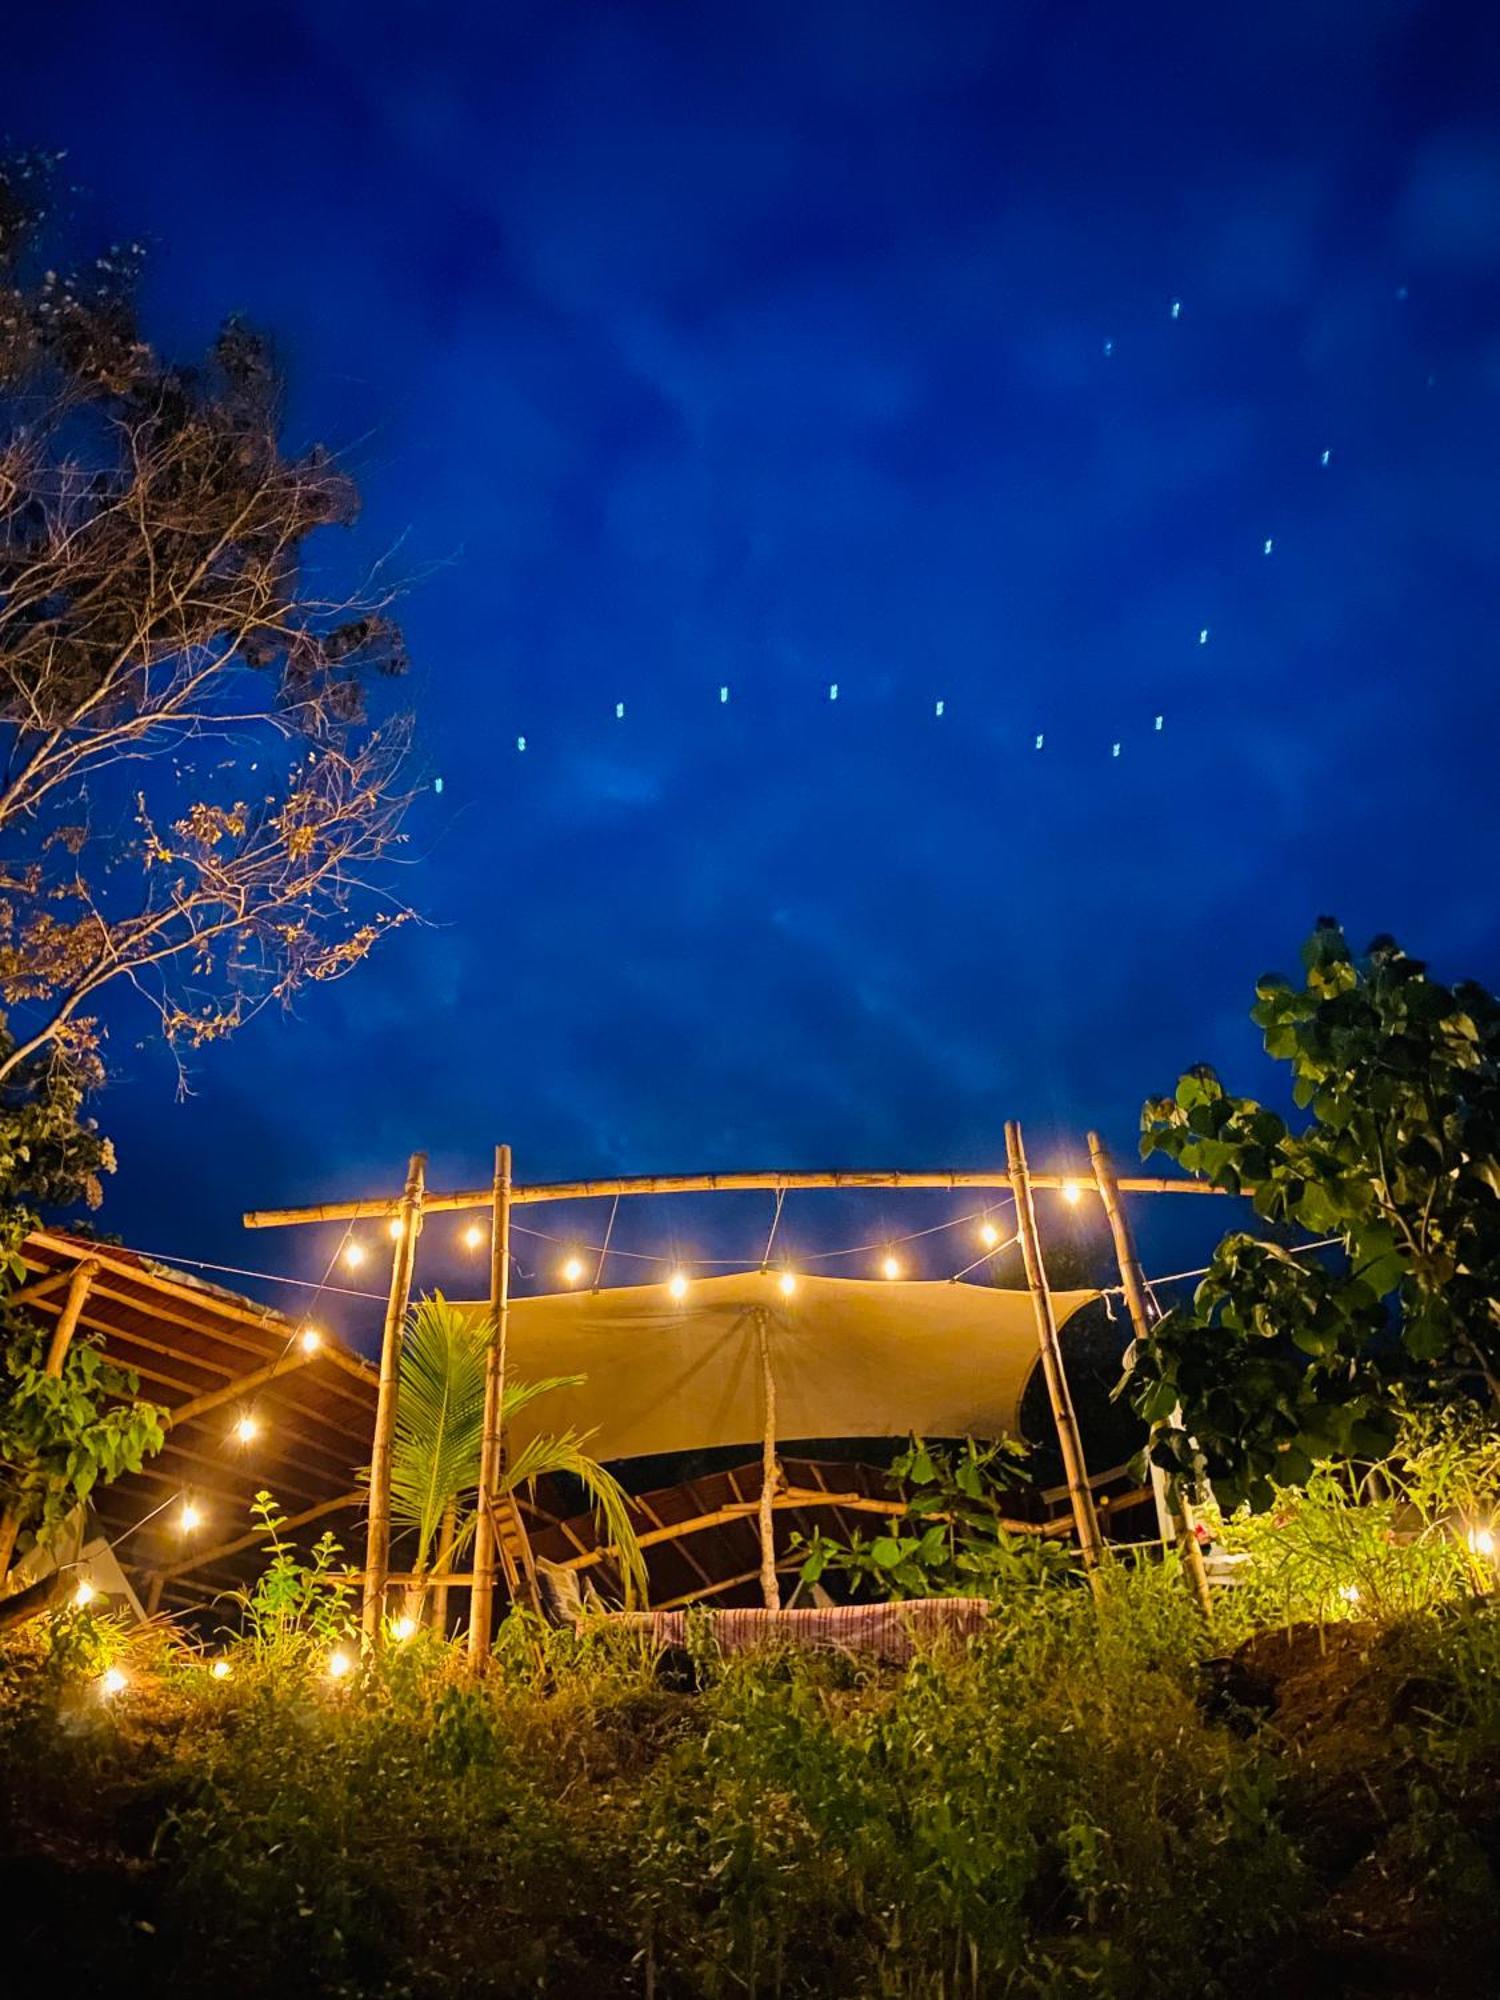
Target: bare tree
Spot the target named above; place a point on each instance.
(193, 797)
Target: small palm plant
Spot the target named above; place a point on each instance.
(439, 1435)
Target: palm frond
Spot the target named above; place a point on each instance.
(519, 1394)
(439, 1416)
(564, 1452)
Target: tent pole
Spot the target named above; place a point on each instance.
(487, 1531)
(1134, 1286)
(1079, 1492)
(57, 1353)
(770, 1475)
(378, 1539)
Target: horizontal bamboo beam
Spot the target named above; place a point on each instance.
(240, 1386)
(379, 1207)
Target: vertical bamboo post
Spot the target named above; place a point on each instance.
(378, 1539)
(1085, 1519)
(57, 1353)
(487, 1528)
(770, 1590)
(447, 1535)
(1134, 1287)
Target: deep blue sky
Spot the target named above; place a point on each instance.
(781, 345)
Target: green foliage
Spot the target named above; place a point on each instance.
(435, 1456)
(1282, 1361)
(295, 1612)
(945, 1537)
(61, 1435)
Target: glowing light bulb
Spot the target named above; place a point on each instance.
(473, 1236)
(393, 1228)
(1481, 1541)
(113, 1680)
(1071, 1193)
(191, 1517)
(354, 1255)
(677, 1285)
(890, 1267)
(220, 1670)
(1349, 1592)
(310, 1340)
(339, 1664)
(86, 1593)
(572, 1271)
(786, 1284)
(403, 1629)
(989, 1236)
(247, 1430)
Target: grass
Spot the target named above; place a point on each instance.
(1095, 1797)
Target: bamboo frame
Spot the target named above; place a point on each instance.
(770, 1473)
(380, 1207)
(1134, 1286)
(487, 1547)
(241, 1385)
(378, 1539)
(1090, 1542)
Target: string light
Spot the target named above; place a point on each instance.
(786, 1284)
(191, 1517)
(572, 1271)
(403, 1629)
(1071, 1193)
(354, 1255)
(677, 1285)
(220, 1670)
(394, 1228)
(890, 1266)
(113, 1680)
(309, 1340)
(86, 1593)
(989, 1236)
(339, 1664)
(247, 1430)
(1481, 1541)
(473, 1236)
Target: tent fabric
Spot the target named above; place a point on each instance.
(850, 1358)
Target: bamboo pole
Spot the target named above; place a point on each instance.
(1134, 1285)
(378, 1539)
(447, 1536)
(1079, 1492)
(770, 1475)
(487, 1528)
(376, 1207)
(57, 1353)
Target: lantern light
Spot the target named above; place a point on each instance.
(677, 1285)
(572, 1271)
(890, 1267)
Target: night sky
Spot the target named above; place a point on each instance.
(983, 355)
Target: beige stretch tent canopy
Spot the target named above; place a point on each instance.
(850, 1358)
